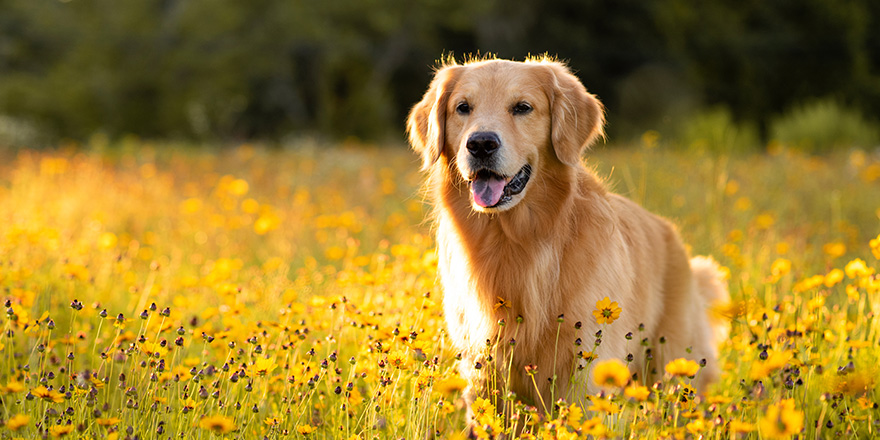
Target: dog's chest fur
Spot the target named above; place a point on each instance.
(508, 283)
(520, 265)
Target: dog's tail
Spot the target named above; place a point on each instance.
(710, 283)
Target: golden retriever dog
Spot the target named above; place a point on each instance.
(529, 240)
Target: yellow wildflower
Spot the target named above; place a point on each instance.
(835, 249)
(587, 355)
(852, 292)
(154, 348)
(696, 427)
(717, 399)
(305, 429)
(816, 303)
(833, 277)
(268, 221)
(334, 253)
(107, 241)
(17, 421)
(780, 268)
(731, 188)
(425, 379)
(108, 421)
(593, 427)
(682, 367)
(238, 187)
(775, 360)
(603, 405)
(58, 431)
(264, 366)
(489, 427)
(857, 269)
(77, 271)
(765, 220)
(190, 206)
(450, 384)
(692, 414)
(606, 311)
(738, 427)
(809, 283)
(398, 359)
(574, 416)
(742, 204)
(857, 382)
(875, 246)
(782, 420)
(483, 410)
(217, 424)
(782, 248)
(13, 386)
(637, 392)
(611, 373)
(355, 397)
(47, 394)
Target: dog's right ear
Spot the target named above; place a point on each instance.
(427, 119)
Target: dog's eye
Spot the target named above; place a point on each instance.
(521, 108)
(463, 108)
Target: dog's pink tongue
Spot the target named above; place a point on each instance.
(487, 191)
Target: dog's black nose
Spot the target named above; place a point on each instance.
(483, 144)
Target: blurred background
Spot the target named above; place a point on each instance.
(732, 74)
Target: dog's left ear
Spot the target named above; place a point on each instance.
(577, 117)
(427, 119)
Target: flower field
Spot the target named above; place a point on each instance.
(166, 291)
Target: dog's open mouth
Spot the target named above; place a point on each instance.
(490, 189)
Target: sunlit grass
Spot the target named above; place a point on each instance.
(162, 292)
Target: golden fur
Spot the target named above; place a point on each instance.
(557, 247)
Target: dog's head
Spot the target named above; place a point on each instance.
(502, 123)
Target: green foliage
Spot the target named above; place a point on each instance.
(715, 130)
(219, 69)
(822, 126)
(269, 69)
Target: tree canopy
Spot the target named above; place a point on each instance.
(270, 68)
